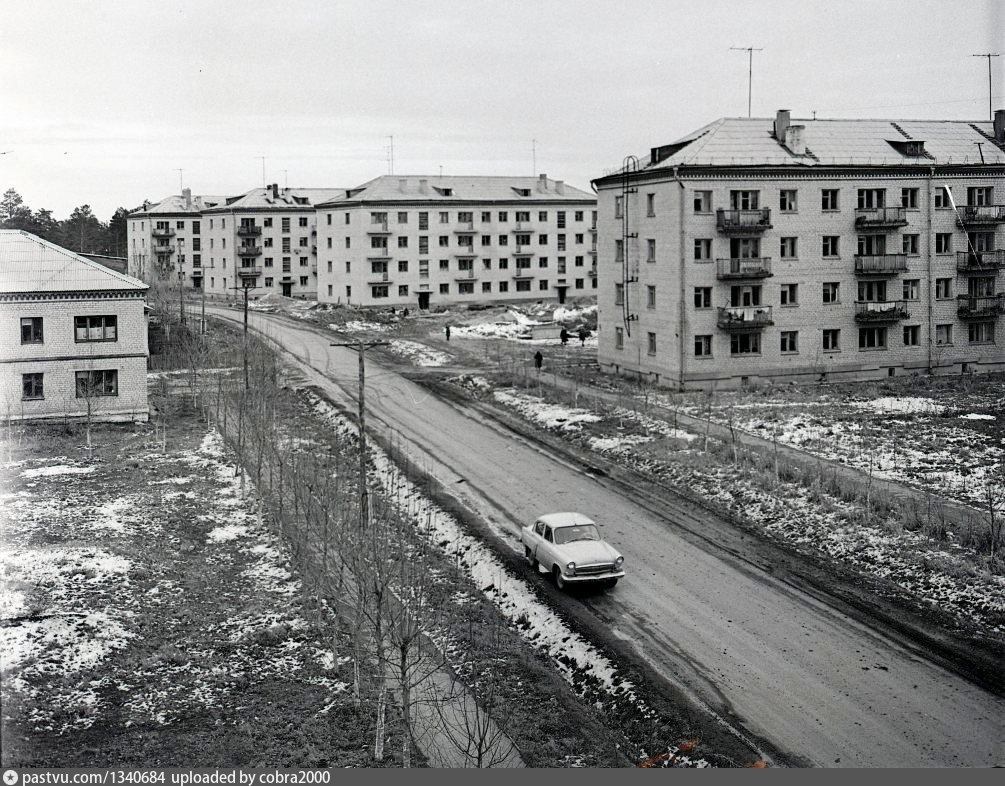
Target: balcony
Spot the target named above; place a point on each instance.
(980, 262)
(465, 252)
(249, 271)
(249, 251)
(981, 215)
(880, 264)
(249, 230)
(465, 275)
(880, 217)
(465, 227)
(379, 277)
(197, 274)
(875, 311)
(523, 272)
(162, 232)
(522, 226)
(980, 307)
(740, 268)
(377, 255)
(378, 228)
(737, 319)
(743, 222)
(163, 249)
(314, 250)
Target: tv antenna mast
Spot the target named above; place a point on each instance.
(989, 55)
(750, 68)
(629, 241)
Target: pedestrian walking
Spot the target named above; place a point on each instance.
(564, 336)
(583, 333)
(447, 331)
(538, 360)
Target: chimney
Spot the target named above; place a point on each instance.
(560, 186)
(423, 186)
(275, 190)
(403, 185)
(795, 141)
(542, 183)
(186, 195)
(781, 123)
(1000, 126)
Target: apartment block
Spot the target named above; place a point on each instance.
(767, 249)
(73, 336)
(425, 241)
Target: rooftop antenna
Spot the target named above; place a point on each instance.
(814, 114)
(533, 149)
(181, 184)
(441, 170)
(750, 69)
(989, 55)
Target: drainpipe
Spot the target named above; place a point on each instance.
(930, 247)
(682, 300)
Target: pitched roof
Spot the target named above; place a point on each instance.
(453, 189)
(176, 205)
(284, 198)
(30, 264)
(750, 142)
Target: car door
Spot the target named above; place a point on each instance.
(546, 549)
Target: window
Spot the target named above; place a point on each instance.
(504, 286)
(486, 240)
(348, 289)
(872, 291)
(348, 242)
(465, 287)
(789, 295)
(651, 249)
(579, 239)
(375, 242)
(302, 221)
(379, 291)
(180, 225)
(402, 242)
(196, 227)
(303, 242)
(542, 240)
(619, 338)
(578, 216)
(703, 346)
(579, 283)
(787, 248)
(97, 383)
(348, 266)
(702, 201)
(744, 200)
(423, 268)
(980, 195)
(745, 344)
(912, 335)
(871, 197)
(787, 201)
(832, 340)
(486, 216)
(943, 288)
(503, 216)
(830, 245)
(523, 285)
(402, 216)
(651, 211)
(402, 265)
(702, 249)
(424, 244)
(286, 225)
(503, 240)
(743, 296)
(95, 328)
(703, 297)
(619, 294)
(941, 197)
(444, 264)
(579, 261)
(910, 246)
(268, 282)
(542, 262)
(909, 198)
(789, 342)
(561, 266)
(523, 240)
(542, 284)
(503, 263)
(561, 242)
(31, 387)
(651, 344)
(303, 281)
(978, 333)
(981, 241)
(981, 286)
(444, 241)
(871, 245)
(650, 296)
(829, 199)
(943, 334)
(444, 217)
(619, 205)
(619, 250)
(31, 330)
(268, 261)
(943, 242)
(423, 220)
(872, 338)
(486, 286)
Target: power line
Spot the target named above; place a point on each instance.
(989, 55)
(750, 69)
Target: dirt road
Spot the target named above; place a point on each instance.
(771, 661)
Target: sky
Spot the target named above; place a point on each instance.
(102, 102)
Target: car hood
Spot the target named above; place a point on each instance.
(584, 552)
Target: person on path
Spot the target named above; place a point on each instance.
(538, 360)
(564, 336)
(447, 331)
(583, 333)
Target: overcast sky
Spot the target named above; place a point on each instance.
(102, 102)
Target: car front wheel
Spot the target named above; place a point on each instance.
(559, 578)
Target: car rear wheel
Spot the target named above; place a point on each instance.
(530, 557)
(559, 579)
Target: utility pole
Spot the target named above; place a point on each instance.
(181, 294)
(750, 69)
(246, 289)
(364, 499)
(989, 55)
(202, 289)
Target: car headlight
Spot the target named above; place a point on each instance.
(619, 562)
(571, 568)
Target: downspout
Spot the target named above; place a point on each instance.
(931, 282)
(681, 300)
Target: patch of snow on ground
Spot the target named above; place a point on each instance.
(227, 532)
(907, 404)
(60, 469)
(977, 416)
(554, 416)
(358, 326)
(419, 354)
(604, 444)
(565, 314)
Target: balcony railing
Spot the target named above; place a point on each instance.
(465, 275)
(742, 318)
(980, 262)
(880, 311)
(378, 228)
(197, 273)
(249, 251)
(980, 307)
(465, 251)
(880, 217)
(248, 230)
(249, 271)
(880, 264)
(522, 226)
(742, 222)
(377, 255)
(523, 272)
(163, 249)
(737, 268)
(161, 232)
(379, 277)
(465, 226)
(975, 215)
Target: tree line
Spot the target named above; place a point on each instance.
(82, 232)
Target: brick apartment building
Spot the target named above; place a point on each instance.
(755, 249)
(74, 335)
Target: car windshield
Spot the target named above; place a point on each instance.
(578, 532)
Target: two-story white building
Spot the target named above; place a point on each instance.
(73, 335)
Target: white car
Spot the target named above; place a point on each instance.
(569, 547)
